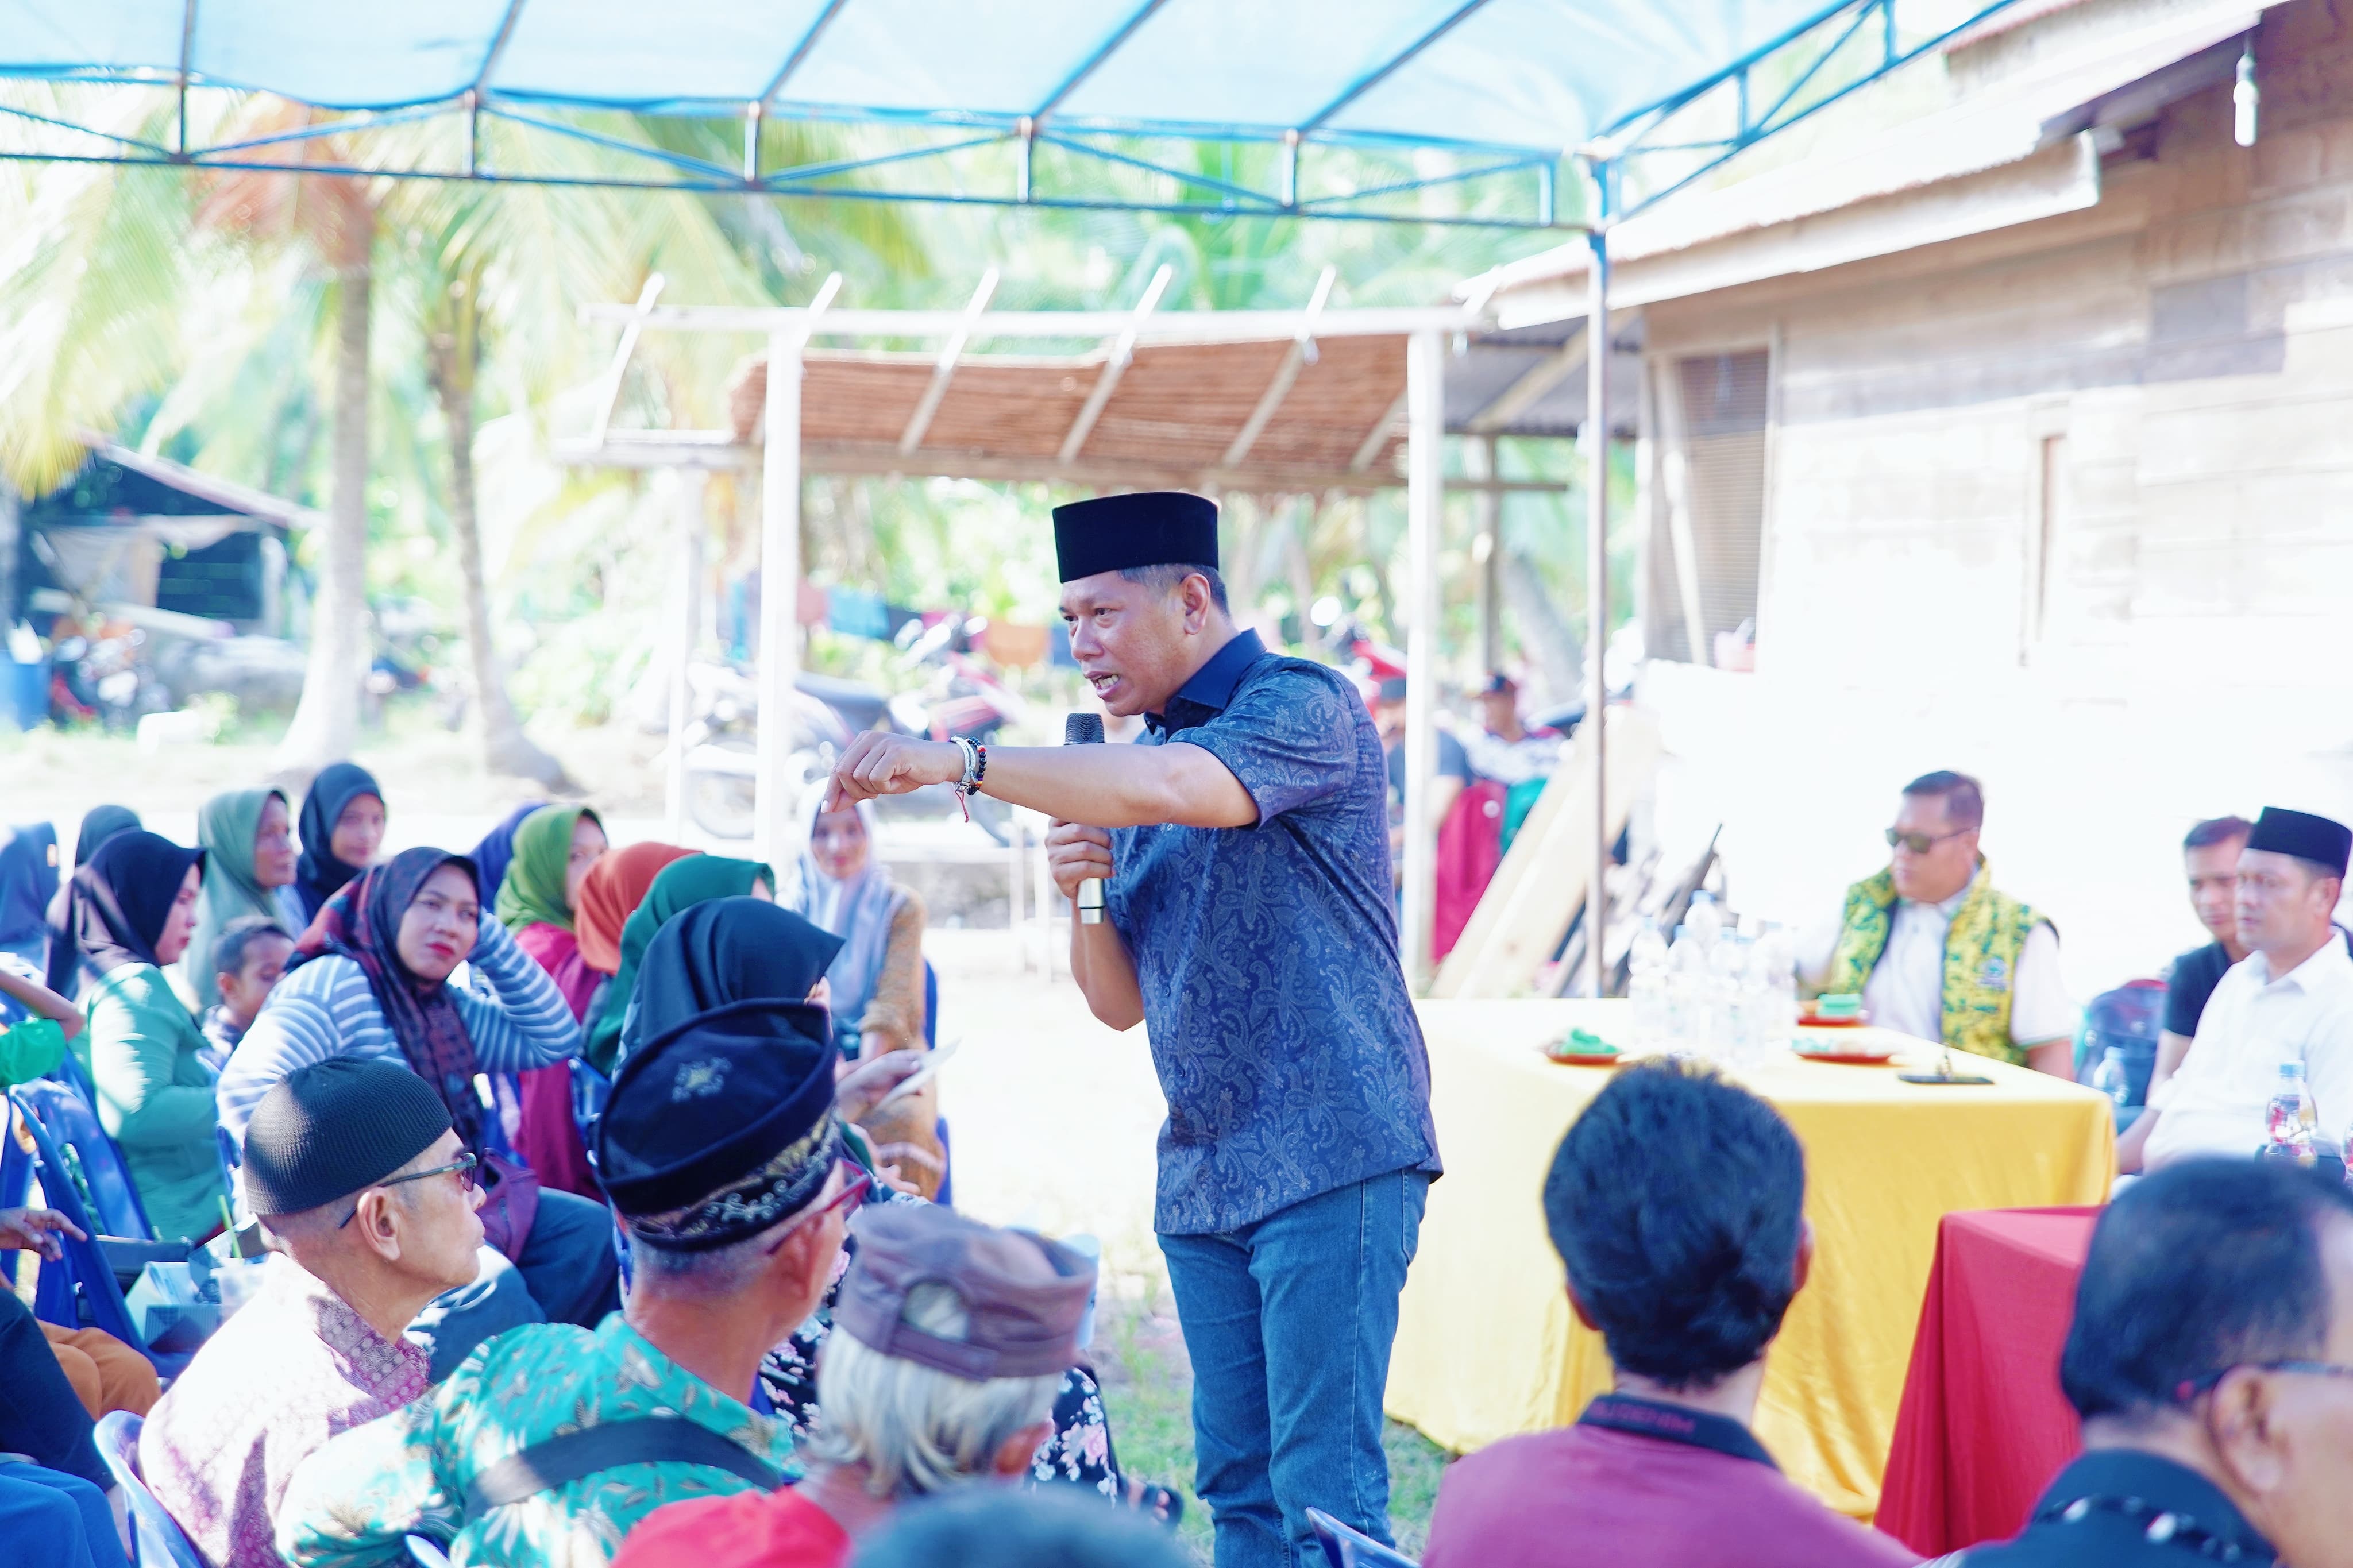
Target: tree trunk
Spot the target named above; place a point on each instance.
(326, 720)
(1560, 659)
(455, 353)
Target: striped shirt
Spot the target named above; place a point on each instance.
(326, 1009)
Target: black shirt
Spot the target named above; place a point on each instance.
(2123, 1493)
(2195, 976)
(1454, 762)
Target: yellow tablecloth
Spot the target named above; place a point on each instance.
(1486, 1345)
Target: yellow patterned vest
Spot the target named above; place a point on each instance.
(1982, 948)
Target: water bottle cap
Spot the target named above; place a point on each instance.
(1679, 929)
(2291, 1069)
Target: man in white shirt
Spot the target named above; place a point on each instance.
(1938, 952)
(2289, 1000)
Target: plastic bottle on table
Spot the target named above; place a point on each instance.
(1687, 1008)
(1704, 920)
(1773, 968)
(2111, 1077)
(1646, 985)
(1735, 1010)
(2293, 1120)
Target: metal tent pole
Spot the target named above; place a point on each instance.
(1597, 560)
(1425, 503)
(780, 584)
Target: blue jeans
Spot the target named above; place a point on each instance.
(1289, 1321)
(567, 1273)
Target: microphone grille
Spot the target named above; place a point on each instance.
(1083, 730)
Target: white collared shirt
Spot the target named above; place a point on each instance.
(1907, 989)
(2214, 1103)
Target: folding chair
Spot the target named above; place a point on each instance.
(946, 1198)
(1346, 1548)
(157, 1540)
(69, 1118)
(81, 1288)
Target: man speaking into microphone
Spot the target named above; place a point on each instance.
(1243, 843)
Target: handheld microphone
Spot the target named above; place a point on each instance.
(1086, 730)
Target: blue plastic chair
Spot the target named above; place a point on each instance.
(79, 1288)
(930, 1005)
(157, 1540)
(1346, 1548)
(71, 1119)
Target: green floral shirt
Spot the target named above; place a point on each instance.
(355, 1500)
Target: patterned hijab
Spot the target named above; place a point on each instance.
(361, 922)
(679, 886)
(610, 893)
(226, 828)
(319, 876)
(531, 893)
(114, 909)
(857, 909)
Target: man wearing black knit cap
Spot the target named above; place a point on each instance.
(1243, 850)
(2284, 1009)
(356, 1173)
(720, 1150)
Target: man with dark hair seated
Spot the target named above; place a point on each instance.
(1676, 1201)
(2212, 1361)
(548, 1444)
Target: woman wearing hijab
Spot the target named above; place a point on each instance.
(127, 914)
(679, 886)
(247, 837)
(28, 884)
(609, 895)
(371, 980)
(878, 981)
(491, 856)
(554, 849)
(99, 824)
(342, 827)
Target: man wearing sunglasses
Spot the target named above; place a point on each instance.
(357, 1178)
(723, 1156)
(1938, 952)
(2212, 1361)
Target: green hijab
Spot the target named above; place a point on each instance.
(533, 892)
(681, 885)
(224, 830)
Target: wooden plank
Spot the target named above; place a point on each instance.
(1526, 909)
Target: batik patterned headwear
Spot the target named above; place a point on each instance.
(722, 1127)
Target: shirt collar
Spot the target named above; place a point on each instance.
(2135, 1473)
(2328, 965)
(1212, 686)
(1675, 1423)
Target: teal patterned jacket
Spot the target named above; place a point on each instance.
(354, 1501)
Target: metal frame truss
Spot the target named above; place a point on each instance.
(1770, 89)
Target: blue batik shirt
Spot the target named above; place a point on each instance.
(1280, 1026)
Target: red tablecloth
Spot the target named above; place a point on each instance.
(1983, 1426)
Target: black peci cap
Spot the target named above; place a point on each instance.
(1121, 533)
(2304, 836)
(723, 1125)
(326, 1130)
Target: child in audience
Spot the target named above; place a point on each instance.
(248, 960)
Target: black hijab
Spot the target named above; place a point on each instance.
(319, 876)
(723, 951)
(99, 824)
(114, 909)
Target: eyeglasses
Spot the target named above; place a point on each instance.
(461, 1167)
(852, 1194)
(1920, 843)
(2189, 1388)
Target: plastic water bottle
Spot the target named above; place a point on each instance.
(2294, 1123)
(1687, 1009)
(1773, 970)
(1704, 920)
(1646, 985)
(1735, 1012)
(2111, 1077)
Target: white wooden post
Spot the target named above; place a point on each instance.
(1425, 381)
(780, 586)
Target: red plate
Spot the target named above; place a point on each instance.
(1860, 1056)
(1816, 1021)
(1586, 1059)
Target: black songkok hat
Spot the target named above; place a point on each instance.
(1120, 533)
(2304, 836)
(326, 1130)
(722, 1125)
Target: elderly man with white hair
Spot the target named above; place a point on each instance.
(950, 1342)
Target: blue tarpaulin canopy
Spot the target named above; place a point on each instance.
(1488, 88)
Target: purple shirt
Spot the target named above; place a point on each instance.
(294, 1368)
(1659, 1484)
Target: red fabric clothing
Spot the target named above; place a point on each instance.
(1983, 1425)
(1585, 1498)
(1470, 848)
(548, 1139)
(749, 1530)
